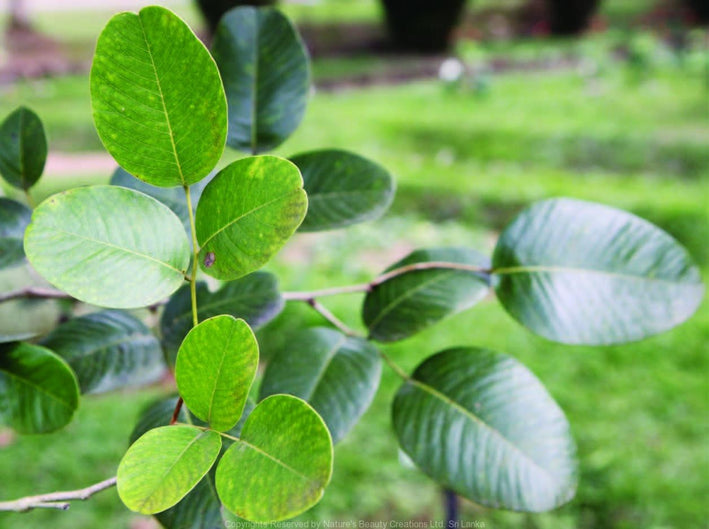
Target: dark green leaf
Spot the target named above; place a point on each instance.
(583, 273)
(38, 391)
(247, 213)
(266, 76)
(24, 318)
(172, 197)
(412, 301)
(343, 189)
(23, 148)
(336, 374)
(157, 98)
(215, 367)
(165, 464)
(14, 218)
(281, 464)
(108, 246)
(254, 298)
(480, 423)
(108, 350)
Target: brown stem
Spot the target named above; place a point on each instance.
(329, 316)
(176, 413)
(55, 500)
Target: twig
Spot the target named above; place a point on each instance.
(34, 292)
(368, 287)
(176, 413)
(329, 316)
(55, 500)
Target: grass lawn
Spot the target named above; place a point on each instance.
(464, 166)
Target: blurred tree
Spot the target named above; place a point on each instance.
(422, 25)
(214, 9)
(570, 17)
(19, 18)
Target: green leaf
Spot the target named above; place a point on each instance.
(158, 101)
(336, 374)
(254, 298)
(412, 301)
(281, 464)
(247, 213)
(108, 350)
(264, 65)
(173, 197)
(23, 148)
(215, 367)
(14, 218)
(583, 273)
(162, 466)
(38, 391)
(480, 423)
(343, 189)
(108, 246)
(25, 318)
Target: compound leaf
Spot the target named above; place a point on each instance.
(23, 148)
(247, 213)
(583, 273)
(157, 97)
(281, 464)
(412, 301)
(336, 374)
(343, 189)
(108, 350)
(163, 465)
(215, 367)
(478, 422)
(108, 246)
(265, 69)
(38, 390)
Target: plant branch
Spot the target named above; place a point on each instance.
(55, 500)
(368, 287)
(176, 413)
(34, 292)
(195, 253)
(329, 316)
(394, 366)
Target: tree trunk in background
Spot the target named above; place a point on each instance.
(422, 25)
(214, 9)
(700, 9)
(19, 18)
(571, 17)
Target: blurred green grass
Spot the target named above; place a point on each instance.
(464, 165)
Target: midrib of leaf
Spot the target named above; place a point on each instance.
(511, 270)
(331, 354)
(275, 460)
(254, 88)
(467, 413)
(171, 467)
(120, 248)
(22, 148)
(39, 389)
(162, 100)
(219, 372)
(246, 214)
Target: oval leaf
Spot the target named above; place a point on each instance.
(162, 466)
(215, 367)
(23, 148)
(108, 350)
(478, 422)
(254, 298)
(247, 213)
(280, 466)
(583, 273)
(266, 75)
(38, 391)
(343, 189)
(108, 246)
(158, 101)
(173, 197)
(416, 299)
(14, 218)
(336, 374)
